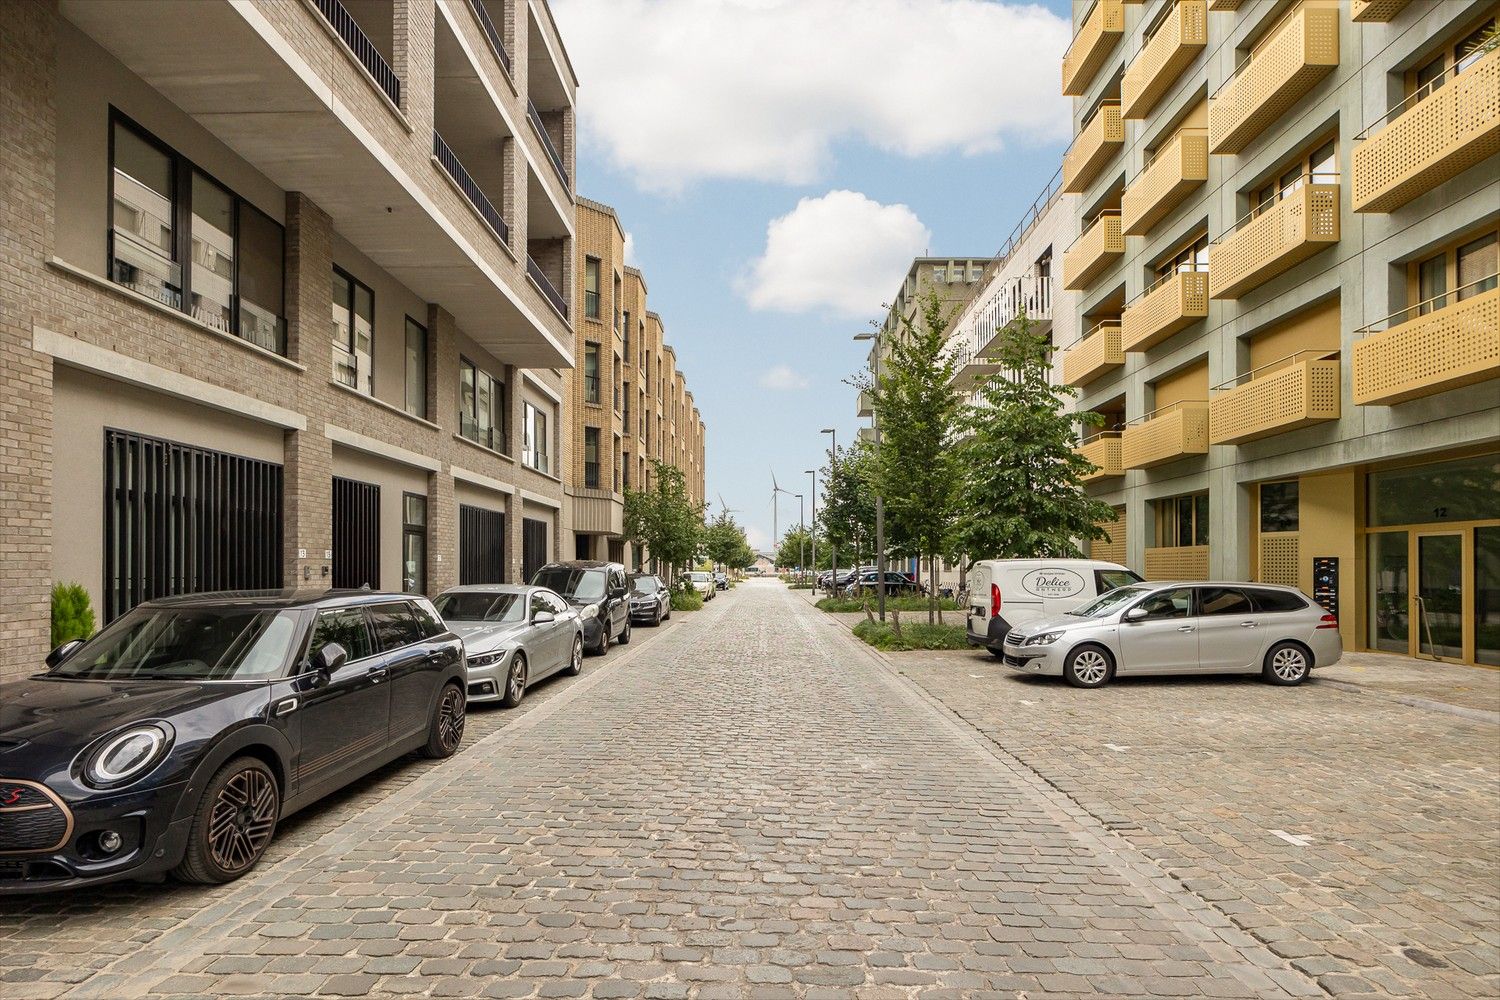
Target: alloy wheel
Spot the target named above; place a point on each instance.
(1090, 667)
(577, 655)
(1289, 663)
(451, 719)
(516, 681)
(243, 817)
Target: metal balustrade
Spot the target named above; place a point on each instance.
(347, 28)
(469, 187)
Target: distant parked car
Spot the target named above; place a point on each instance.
(721, 581)
(176, 739)
(1006, 593)
(1177, 628)
(869, 583)
(600, 594)
(650, 598)
(703, 583)
(513, 636)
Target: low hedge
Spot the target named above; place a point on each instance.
(686, 600)
(882, 636)
(904, 603)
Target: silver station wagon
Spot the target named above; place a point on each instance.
(1181, 628)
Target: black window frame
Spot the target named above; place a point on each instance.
(591, 469)
(1200, 602)
(412, 529)
(419, 408)
(351, 348)
(592, 351)
(498, 437)
(593, 268)
(1295, 518)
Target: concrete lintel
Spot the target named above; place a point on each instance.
(379, 448)
(463, 475)
(541, 499)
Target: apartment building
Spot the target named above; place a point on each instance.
(1287, 268)
(955, 280)
(625, 397)
(284, 302)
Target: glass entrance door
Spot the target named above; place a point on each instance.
(1440, 595)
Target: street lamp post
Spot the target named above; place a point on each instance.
(802, 540)
(879, 501)
(833, 550)
(813, 502)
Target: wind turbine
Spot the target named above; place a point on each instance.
(775, 510)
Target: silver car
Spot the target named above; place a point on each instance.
(1181, 628)
(513, 635)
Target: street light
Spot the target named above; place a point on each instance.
(814, 504)
(833, 454)
(801, 541)
(879, 501)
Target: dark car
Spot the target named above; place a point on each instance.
(869, 583)
(650, 598)
(721, 581)
(600, 593)
(178, 737)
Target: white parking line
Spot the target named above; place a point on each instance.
(1292, 838)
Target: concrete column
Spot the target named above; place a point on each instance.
(442, 533)
(307, 475)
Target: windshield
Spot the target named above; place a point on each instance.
(482, 607)
(1110, 602)
(191, 644)
(698, 577)
(574, 584)
(644, 584)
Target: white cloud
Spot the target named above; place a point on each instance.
(842, 252)
(782, 378)
(681, 90)
(631, 259)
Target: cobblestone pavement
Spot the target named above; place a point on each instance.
(749, 805)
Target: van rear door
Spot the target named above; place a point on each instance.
(979, 599)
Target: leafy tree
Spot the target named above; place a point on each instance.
(725, 544)
(1021, 490)
(664, 519)
(848, 514)
(72, 613)
(796, 549)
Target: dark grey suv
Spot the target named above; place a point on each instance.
(600, 593)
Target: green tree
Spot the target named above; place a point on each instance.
(796, 548)
(848, 514)
(724, 542)
(72, 613)
(1022, 493)
(664, 519)
(916, 467)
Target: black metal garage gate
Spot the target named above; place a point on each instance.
(481, 545)
(356, 533)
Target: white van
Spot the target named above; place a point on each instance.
(1003, 593)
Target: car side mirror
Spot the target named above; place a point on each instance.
(63, 652)
(1136, 614)
(543, 617)
(328, 659)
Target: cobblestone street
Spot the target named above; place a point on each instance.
(747, 802)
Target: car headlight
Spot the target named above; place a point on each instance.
(592, 611)
(1043, 639)
(127, 755)
(489, 659)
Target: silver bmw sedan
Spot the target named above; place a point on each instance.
(513, 636)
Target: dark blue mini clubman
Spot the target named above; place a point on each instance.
(177, 738)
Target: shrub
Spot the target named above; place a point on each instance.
(913, 636)
(906, 603)
(72, 614)
(686, 600)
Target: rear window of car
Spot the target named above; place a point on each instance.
(1223, 601)
(1277, 600)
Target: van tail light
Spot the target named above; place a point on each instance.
(994, 600)
(1329, 621)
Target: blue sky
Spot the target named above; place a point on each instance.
(962, 126)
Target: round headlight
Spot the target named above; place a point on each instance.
(127, 755)
(592, 611)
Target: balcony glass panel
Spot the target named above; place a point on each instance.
(1434, 346)
(1298, 52)
(1287, 394)
(1274, 238)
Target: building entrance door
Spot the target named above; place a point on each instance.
(1440, 598)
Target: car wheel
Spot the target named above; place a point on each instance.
(1088, 667)
(998, 654)
(446, 731)
(625, 634)
(233, 823)
(1287, 664)
(515, 682)
(575, 659)
(603, 646)
(656, 622)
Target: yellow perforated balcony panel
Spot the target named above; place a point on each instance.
(1226, 5)
(1284, 235)
(1180, 433)
(1452, 347)
(1375, 11)
(1173, 305)
(1296, 396)
(1105, 454)
(1299, 53)
(1111, 549)
(1177, 42)
(1280, 559)
(1178, 562)
(1180, 166)
(1099, 246)
(1096, 145)
(1454, 128)
(1091, 47)
(1093, 356)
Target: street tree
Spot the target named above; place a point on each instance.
(664, 519)
(797, 549)
(725, 544)
(848, 514)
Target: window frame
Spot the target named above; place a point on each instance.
(421, 411)
(1448, 257)
(500, 432)
(411, 529)
(352, 347)
(592, 274)
(591, 482)
(592, 352)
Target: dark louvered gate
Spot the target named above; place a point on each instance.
(184, 520)
(481, 545)
(356, 534)
(533, 546)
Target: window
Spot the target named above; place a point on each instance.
(1278, 506)
(1453, 59)
(416, 368)
(1321, 166)
(591, 373)
(1274, 601)
(1183, 520)
(348, 628)
(1223, 601)
(626, 471)
(432, 626)
(353, 332)
(591, 457)
(1192, 257)
(163, 210)
(1457, 273)
(1168, 604)
(414, 543)
(535, 448)
(481, 406)
(394, 626)
(1106, 580)
(591, 287)
(615, 303)
(626, 338)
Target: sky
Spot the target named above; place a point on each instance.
(778, 163)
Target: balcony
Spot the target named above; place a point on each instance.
(1173, 303)
(469, 188)
(866, 404)
(1103, 450)
(539, 278)
(1294, 392)
(1099, 139)
(971, 370)
(1097, 37)
(1226, 5)
(1177, 41)
(1274, 239)
(1179, 166)
(1444, 129)
(1375, 11)
(364, 50)
(1165, 435)
(1101, 244)
(1098, 352)
(1113, 548)
(1441, 344)
(1029, 295)
(539, 126)
(491, 33)
(1299, 52)
(1177, 562)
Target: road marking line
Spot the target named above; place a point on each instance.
(1292, 838)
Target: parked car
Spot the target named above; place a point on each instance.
(179, 736)
(513, 635)
(650, 598)
(1177, 628)
(721, 581)
(896, 584)
(703, 583)
(598, 591)
(1004, 593)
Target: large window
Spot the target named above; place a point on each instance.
(1182, 520)
(164, 212)
(1279, 507)
(591, 287)
(591, 373)
(414, 543)
(353, 333)
(536, 442)
(1456, 273)
(416, 368)
(481, 406)
(1320, 166)
(591, 457)
(1192, 256)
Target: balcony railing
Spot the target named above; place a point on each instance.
(1112, 549)
(482, 15)
(1095, 354)
(1171, 304)
(1274, 238)
(1030, 294)
(470, 188)
(1301, 50)
(347, 28)
(1100, 245)
(535, 272)
(1179, 38)
(1179, 166)
(1450, 125)
(1375, 11)
(1444, 343)
(1165, 435)
(1177, 562)
(971, 370)
(535, 117)
(1096, 38)
(1099, 139)
(1294, 392)
(1104, 451)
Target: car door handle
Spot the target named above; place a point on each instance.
(436, 656)
(377, 675)
(1184, 628)
(285, 706)
(1247, 624)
